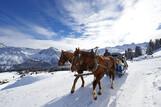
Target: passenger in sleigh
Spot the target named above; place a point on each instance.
(119, 67)
(107, 53)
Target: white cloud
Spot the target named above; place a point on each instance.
(11, 32)
(136, 23)
(13, 37)
(139, 21)
(43, 31)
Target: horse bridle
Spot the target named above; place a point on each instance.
(77, 58)
(65, 58)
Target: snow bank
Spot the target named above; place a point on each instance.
(157, 54)
(29, 79)
(8, 75)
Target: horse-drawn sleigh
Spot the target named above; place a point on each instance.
(88, 61)
(121, 64)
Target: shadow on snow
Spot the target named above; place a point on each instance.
(82, 97)
(23, 81)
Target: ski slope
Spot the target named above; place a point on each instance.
(140, 87)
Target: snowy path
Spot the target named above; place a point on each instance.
(139, 88)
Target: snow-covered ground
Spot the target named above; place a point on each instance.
(140, 87)
(158, 53)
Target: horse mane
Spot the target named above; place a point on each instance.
(86, 53)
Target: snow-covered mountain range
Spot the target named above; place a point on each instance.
(2, 45)
(15, 58)
(122, 48)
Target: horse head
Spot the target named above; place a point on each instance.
(62, 59)
(82, 60)
(76, 58)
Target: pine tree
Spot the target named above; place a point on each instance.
(157, 44)
(150, 48)
(126, 54)
(130, 54)
(152, 45)
(138, 51)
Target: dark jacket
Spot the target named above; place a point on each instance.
(107, 53)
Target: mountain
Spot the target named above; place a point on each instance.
(42, 60)
(14, 58)
(122, 48)
(50, 55)
(2, 45)
(32, 65)
(10, 56)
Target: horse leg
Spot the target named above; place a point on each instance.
(94, 89)
(82, 81)
(99, 92)
(95, 82)
(112, 77)
(73, 87)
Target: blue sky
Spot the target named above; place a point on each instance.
(67, 24)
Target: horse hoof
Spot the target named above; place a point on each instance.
(112, 87)
(72, 91)
(82, 85)
(99, 93)
(95, 98)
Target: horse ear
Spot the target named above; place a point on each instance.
(75, 48)
(62, 50)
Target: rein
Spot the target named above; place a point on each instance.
(76, 58)
(67, 59)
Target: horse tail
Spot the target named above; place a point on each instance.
(114, 63)
(113, 68)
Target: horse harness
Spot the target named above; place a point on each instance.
(66, 58)
(96, 63)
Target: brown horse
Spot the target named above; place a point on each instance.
(98, 65)
(65, 56)
(68, 56)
